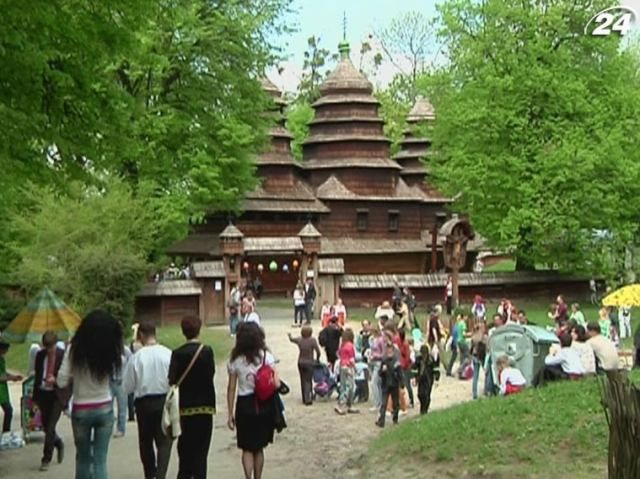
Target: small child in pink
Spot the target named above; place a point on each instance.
(347, 356)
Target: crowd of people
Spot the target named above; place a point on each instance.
(85, 377)
(390, 364)
(386, 360)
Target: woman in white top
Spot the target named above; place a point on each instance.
(94, 354)
(585, 352)
(298, 305)
(254, 425)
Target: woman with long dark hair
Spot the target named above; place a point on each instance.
(89, 362)
(254, 424)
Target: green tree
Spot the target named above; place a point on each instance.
(396, 101)
(315, 68)
(91, 245)
(161, 94)
(537, 128)
(299, 114)
(408, 42)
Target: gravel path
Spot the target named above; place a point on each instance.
(316, 444)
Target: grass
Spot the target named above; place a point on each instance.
(501, 266)
(17, 357)
(554, 432)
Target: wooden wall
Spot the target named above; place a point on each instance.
(348, 149)
(162, 310)
(212, 302)
(351, 128)
(276, 177)
(391, 263)
(426, 296)
(335, 110)
(342, 220)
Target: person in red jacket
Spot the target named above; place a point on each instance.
(405, 363)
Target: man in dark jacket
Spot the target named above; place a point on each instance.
(309, 299)
(391, 376)
(50, 399)
(329, 339)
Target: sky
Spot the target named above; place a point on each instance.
(324, 18)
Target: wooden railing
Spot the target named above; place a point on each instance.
(621, 403)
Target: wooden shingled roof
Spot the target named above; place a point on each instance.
(331, 163)
(266, 243)
(346, 245)
(331, 265)
(334, 189)
(437, 280)
(299, 198)
(346, 77)
(208, 269)
(172, 287)
(422, 110)
(197, 244)
(292, 206)
(309, 231)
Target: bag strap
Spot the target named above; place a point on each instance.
(193, 361)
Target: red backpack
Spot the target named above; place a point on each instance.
(265, 385)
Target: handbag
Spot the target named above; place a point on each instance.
(171, 410)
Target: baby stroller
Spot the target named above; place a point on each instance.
(324, 382)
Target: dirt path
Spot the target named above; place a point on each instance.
(317, 442)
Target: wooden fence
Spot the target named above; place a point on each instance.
(621, 403)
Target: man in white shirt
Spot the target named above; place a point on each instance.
(146, 376)
(562, 364)
(604, 349)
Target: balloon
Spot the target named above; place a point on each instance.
(285, 268)
(295, 264)
(245, 265)
(273, 266)
(260, 267)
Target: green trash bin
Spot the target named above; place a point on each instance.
(526, 346)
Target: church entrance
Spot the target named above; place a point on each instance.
(272, 274)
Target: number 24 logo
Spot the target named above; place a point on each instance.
(607, 21)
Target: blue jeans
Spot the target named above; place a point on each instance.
(489, 386)
(122, 402)
(91, 433)
(234, 320)
(376, 384)
(476, 375)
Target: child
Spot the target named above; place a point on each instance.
(458, 344)
(326, 312)
(362, 379)
(479, 310)
(341, 312)
(391, 379)
(428, 372)
(605, 323)
(511, 379)
(347, 355)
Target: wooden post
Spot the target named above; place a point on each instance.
(455, 272)
(304, 267)
(434, 250)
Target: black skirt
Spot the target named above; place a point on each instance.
(254, 423)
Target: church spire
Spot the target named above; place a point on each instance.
(343, 46)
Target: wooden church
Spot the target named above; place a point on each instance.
(347, 212)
